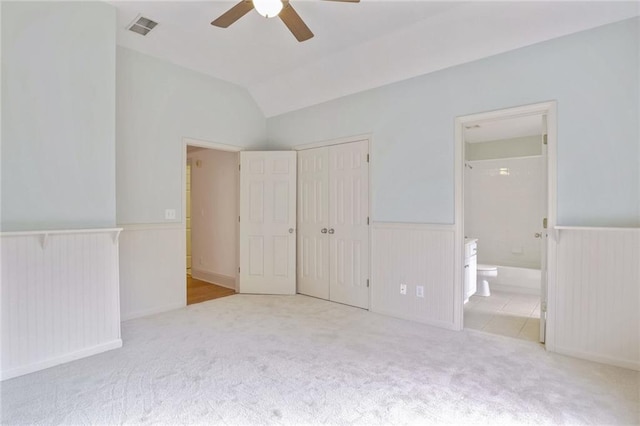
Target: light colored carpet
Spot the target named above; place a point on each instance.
(298, 360)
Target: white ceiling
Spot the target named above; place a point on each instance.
(357, 46)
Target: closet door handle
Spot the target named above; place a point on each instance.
(323, 230)
(331, 231)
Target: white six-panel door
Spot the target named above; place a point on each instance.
(348, 231)
(268, 222)
(313, 222)
(334, 197)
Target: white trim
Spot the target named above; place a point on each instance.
(44, 235)
(59, 232)
(524, 157)
(557, 229)
(151, 226)
(153, 311)
(183, 167)
(52, 362)
(618, 362)
(440, 324)
(214, 278)
(549, 109)
(597, 228)
(211, 145)
(407, 225)
(338, 141)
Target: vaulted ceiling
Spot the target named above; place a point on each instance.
(357, 46)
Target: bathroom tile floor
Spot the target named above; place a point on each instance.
(509, 314)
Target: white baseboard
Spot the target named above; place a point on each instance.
(147, 312)
(435, 323)
(214, 278)
(52, 362)
(624, 363)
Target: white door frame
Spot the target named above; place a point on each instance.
(545, 108)
(340, 141)
(219, 147)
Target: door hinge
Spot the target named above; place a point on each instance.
(367, 158)
(367, 220)
(238, 218)
(544, 139)
(367, 283)
(544, 223)
(238, 269)
(239, 167)
(543, 307)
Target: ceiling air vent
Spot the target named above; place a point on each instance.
(142, 25)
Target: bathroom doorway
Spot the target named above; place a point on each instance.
(211, 234)
(504, 217)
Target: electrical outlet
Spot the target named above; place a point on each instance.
(403, 289)
(169, 214)
(419, 291)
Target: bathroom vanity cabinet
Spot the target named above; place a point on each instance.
(470, 267)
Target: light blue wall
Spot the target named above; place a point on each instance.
(593, 75)
(58, 115)
(158, 104)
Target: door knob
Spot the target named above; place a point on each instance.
(291, 230)
(331, 231)
(538, 235)
(323, 230)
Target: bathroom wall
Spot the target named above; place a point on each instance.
(504, 148)
(504, 207)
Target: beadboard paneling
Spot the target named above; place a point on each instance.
(597, 295)
(60, 297)
(413, 254)
(152, 269)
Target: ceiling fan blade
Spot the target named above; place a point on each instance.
(294, 22)
(233, 14)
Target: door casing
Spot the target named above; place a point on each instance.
(549, 109)
(219, 147)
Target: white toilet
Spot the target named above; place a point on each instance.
(484, 273)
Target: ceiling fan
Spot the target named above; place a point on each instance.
(270, 9)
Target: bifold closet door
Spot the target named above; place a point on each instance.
(333, 237)
(348, 228)
(313, 222)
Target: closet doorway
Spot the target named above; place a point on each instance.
(333, 219)
(211, 219)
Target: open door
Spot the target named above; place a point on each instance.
(268, 222)
(545, 234)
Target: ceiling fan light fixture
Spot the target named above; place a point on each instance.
(268, 8)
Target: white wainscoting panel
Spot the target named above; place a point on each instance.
(60, 297)
(152, 269)
(415, 255)
(596, 304)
